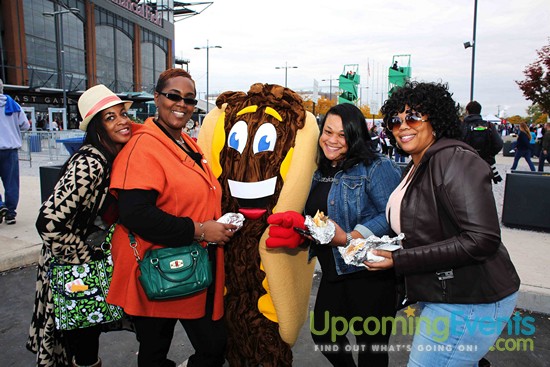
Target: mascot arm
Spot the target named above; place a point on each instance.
(288, 271)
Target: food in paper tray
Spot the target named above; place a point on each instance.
(360, 249)
(321, 229)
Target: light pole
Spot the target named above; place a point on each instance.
(62, 52)
(361, 95)
(330, 87)
(473, 46)
(286, 67)
(207, 47)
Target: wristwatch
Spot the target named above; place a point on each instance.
(348, 238)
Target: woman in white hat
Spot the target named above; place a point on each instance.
(78, 205)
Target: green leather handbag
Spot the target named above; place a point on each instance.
(173, 272)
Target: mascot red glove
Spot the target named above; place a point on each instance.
(281, 231)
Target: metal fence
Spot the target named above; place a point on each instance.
(46, 145)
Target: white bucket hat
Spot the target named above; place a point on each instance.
(96, 99)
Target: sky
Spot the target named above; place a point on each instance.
(320, 37)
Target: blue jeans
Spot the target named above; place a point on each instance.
(458, 335)
(526, 153)
(399, 158)
(9, 173)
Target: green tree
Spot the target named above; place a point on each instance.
(536, 86)
(534, 113)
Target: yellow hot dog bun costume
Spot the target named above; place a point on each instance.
(262, 147)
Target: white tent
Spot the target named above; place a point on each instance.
(493, 119)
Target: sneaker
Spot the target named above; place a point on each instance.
(10, 220)
(3, 212)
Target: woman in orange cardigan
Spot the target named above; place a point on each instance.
(169, 197)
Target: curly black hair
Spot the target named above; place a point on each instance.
(431, 99)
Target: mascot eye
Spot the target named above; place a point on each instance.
(238, 136)
(265, 138)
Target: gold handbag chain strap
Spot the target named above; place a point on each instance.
(133, 245)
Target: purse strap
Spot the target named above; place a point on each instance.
(133, 245)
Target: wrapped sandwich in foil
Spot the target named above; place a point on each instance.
(320, 228)
(232, 218)
(360, 249)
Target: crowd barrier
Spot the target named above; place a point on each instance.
(48, 144)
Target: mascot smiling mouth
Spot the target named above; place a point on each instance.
(252, 196)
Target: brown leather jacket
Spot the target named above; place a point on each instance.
(452, 251)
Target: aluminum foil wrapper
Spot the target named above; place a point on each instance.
(232, 218)
(360, 249)
(322, 235)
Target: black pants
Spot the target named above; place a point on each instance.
(84, 344)
(208, 338)
(352, 301)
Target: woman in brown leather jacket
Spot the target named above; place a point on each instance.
(453, 261)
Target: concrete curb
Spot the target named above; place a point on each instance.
(17, 253)
(534, 299)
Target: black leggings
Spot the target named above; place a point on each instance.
(84, 344)
(353, 299)
(208, 338)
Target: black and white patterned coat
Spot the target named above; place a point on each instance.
(64, 221)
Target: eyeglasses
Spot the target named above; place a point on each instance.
(413, 120)
(177, 98)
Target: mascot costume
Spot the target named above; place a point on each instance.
(262, 147)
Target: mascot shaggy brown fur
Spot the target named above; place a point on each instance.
(262, 146)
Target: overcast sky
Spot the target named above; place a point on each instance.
(320, 37)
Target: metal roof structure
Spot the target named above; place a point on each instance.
(181, 10)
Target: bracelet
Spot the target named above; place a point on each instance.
(201, 237)
(349, 238)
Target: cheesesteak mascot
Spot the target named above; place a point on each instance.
(262, 146)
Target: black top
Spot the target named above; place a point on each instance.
(317, 200)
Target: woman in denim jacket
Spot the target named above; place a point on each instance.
(352, 186)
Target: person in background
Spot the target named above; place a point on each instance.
(483, 136)
(533, 141)
(545, 147)
(78, 205)
(394, 66)
(351, 185)
(386, 143)
(523, 147)
(12, 121)
(453, 262)
(169, 197)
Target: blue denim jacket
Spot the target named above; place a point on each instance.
(357, 201)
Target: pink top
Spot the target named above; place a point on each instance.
(393, 208)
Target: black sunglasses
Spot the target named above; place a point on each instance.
(177, 98)
(413, 120)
